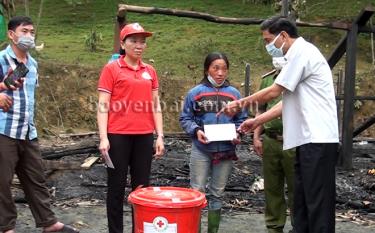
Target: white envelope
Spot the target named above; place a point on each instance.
(220, 132)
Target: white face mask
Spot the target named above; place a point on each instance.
(279, 62)
(213, 82)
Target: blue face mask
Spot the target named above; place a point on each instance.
(273, 51)
(26, 43)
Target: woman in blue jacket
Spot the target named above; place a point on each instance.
(211, 159)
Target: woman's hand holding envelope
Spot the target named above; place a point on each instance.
(202, 137)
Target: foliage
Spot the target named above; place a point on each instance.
(93, 39)
(357, 104)
(296, 8)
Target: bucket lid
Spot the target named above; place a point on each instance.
(167, 197)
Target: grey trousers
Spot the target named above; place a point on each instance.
(23, 158)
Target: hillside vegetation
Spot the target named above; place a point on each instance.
(69, 71)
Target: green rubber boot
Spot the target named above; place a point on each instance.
(213, 221)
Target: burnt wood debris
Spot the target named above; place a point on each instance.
(70, 184)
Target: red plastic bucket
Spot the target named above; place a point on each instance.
(167, 209)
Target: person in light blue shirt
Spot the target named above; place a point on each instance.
(19, 147)
(23, 99)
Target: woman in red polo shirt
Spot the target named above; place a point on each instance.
(128, 113)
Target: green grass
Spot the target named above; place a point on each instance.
(343, 10)
(177, 42)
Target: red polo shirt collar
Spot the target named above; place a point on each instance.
(121, 62)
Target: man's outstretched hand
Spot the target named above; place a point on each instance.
(231, 109)
(248, 126)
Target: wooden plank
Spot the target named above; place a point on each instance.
(89, 162)
(358, 97)
(247, 80)
(340, 48)
(349, 90)
(285, 8)
(364, 126)
(223, 20)
(338, 52)
(87, 134)
(61, 165)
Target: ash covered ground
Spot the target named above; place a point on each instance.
(71, 186)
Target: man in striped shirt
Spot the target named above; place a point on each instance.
(19, 147)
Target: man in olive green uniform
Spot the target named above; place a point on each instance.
(278, 165)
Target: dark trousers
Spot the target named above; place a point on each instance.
(315, 188)
(135, 152)
(23, 158)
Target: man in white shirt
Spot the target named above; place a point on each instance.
(308, 110)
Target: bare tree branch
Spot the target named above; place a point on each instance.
(225, 20)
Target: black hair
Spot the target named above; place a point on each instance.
(16, 21)
(277, 24)
(121, 51)
(212, 57)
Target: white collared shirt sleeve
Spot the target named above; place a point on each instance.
(309, 105)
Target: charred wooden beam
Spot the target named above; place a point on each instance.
(177, 135)
(76, 148)
(247, 80)
(364, 126)
(237, 189)
(78, 135)
(66, 152)
(346, 153)
(365, 29)
(285, 8)
(90, 147)
(360, 97)
(61, 165)
(338, 52)
(349, 90)
(340, 49)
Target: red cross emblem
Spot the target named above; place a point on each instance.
(160, 223)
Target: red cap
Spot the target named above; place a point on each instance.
(133, 28)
